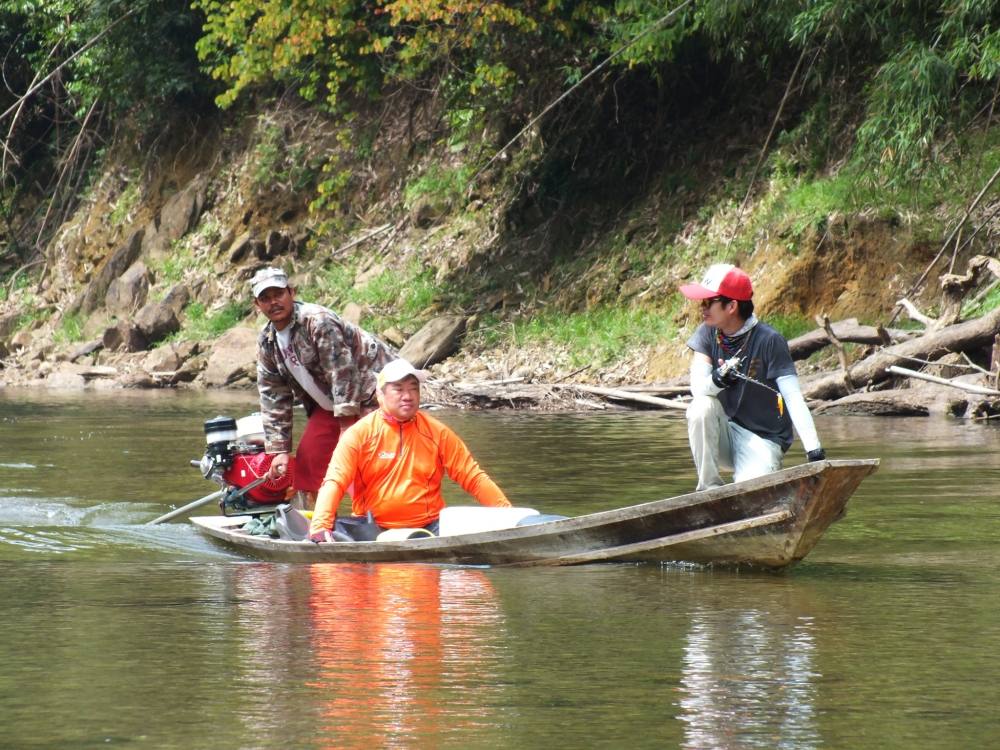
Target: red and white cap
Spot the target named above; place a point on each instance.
(721, 280)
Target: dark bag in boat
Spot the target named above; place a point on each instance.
(358, 528)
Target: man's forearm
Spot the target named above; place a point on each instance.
(802, 419)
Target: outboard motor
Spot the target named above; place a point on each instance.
(220, 439)
(235, 458)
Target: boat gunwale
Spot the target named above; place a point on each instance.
(224, 527)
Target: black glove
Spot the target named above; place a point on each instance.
(723, 381)
(816, 455)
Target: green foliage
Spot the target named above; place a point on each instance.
(70, 329)
(170, 269)
(910, 100)
(398, 297)
(334, 285)
(329, 48)
(976, 307)
(144, 51)
(931, 66)
(596, 337)
(799, 202)
(330, 191)
(92, 66)
(334, 178)
(32, 311)
(809, 203)
(276, 162)
(201, 323)
(790, 326)
(209, 231)
(439, 185)
(121, 211)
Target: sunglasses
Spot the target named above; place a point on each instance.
(707, 303)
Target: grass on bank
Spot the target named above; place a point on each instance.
(599, 337)
(401, 297)
(202, 324)
(798, 198)
(70, 329)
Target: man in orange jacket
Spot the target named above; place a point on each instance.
(396, 458)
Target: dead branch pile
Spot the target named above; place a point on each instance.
(952, 366)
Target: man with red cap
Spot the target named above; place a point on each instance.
(745, 390)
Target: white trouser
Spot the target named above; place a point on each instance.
(718, 443)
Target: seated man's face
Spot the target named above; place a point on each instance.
(402, 398)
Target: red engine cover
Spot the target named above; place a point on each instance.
(248, 467)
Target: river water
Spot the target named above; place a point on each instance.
(117, 634)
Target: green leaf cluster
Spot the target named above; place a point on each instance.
(930, 68)
(201, 323)
(331, 48)
(123, 53)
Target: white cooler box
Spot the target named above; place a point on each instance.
(472, 519)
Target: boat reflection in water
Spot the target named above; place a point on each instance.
(748, 680)
(369, 655)
(403, 655)
(401, 651)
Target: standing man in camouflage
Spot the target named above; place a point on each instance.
(307, 353)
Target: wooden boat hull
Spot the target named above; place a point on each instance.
(769, 522)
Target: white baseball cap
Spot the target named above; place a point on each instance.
(266, 278)
(397, 370)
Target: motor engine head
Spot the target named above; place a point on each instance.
(229, 446)
(220, 437)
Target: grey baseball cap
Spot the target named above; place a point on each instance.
(266, 278)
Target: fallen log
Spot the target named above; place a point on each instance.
(511, 392)
(897, 403)
(914, 312)
(621, 395)
(846, 331)
(658, 389)
(968, 387)
(98, 371)
(965, 336)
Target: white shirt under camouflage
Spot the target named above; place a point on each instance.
(342, 358)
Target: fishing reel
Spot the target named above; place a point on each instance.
(730, 365)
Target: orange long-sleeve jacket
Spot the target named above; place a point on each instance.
(397, 468)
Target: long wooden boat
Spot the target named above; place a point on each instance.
(768, 522)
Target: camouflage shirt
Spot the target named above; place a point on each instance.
(342, 359)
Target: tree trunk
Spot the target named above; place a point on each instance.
(971, 334)
(845, 330)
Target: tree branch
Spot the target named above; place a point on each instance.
(90, 43)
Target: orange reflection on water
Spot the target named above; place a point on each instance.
(403, 651)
